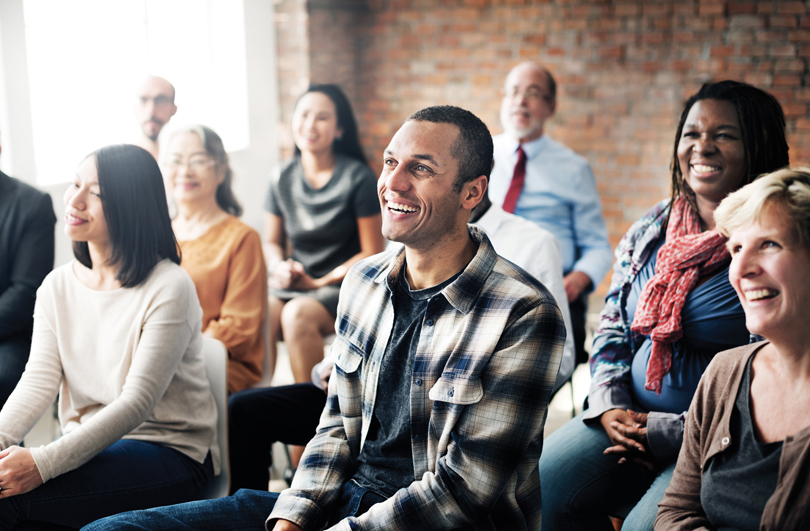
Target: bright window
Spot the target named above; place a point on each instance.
(86, 59)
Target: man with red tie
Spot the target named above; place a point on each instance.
(545, 182)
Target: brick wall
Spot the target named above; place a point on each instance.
(292, 42)
(624, 69)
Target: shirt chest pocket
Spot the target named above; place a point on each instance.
(457, 391)
(347, 356)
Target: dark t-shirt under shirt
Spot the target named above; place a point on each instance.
(385, 464)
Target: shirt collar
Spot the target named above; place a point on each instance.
(530, 148)
(462, 292)
(492, 219)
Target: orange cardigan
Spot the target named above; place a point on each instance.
(227, 267)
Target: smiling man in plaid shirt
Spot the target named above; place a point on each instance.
(446, 355)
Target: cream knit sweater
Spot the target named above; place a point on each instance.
(126, 363)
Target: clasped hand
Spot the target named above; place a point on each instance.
(18, 472)
(290, 274)
(627, 430)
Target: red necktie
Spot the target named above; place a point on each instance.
(516, 186)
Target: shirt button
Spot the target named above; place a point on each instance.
(418, 381)
(725, 441)
(429, 322)
(450, 392)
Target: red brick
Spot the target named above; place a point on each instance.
(799, 36)
(683, 36)
(803, 124)
(765, 7)
(802, 94)
(722, 51)
(611, 52)
(783, 93)
(651, 66)
(537, 39)
(770, 36)
(735, 8)
(786, 50)
(740, 66)
(682, 65)
(662, 23)
(787, 79)
(628, 160)
(793, 110)
(684, 8)
(579, 24)
(783, 21)
(759, 80)
(746, 21)
(656, 10)
(652, 38)
(711, 9)
(790, 65)
(796, 8)
(626, 10)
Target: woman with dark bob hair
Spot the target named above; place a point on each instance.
(117, 337)
(746, 444)
(669, 310)
(222, 255)
(324, 204)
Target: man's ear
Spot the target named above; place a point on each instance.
(473, 192)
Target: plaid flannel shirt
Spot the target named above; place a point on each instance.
(488, 355)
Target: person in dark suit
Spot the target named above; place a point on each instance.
(26, 257)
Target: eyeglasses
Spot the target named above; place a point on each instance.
(530, 94)
(195, 163)
(158, 101)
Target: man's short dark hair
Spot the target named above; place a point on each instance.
(473, 147)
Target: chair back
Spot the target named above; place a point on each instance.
(269, 360)
(216, 367)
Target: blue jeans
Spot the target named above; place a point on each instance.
(246, 510)
(127, 475)
(581, 485)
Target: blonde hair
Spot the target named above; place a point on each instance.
(786, 190)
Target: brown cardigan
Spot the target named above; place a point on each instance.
(707, 433)
(227, 267)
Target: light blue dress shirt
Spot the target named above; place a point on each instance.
(560, 196)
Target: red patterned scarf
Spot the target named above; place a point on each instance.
(687, 255)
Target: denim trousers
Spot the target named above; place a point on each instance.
(581, 486)
(127, 475)
(246, 510)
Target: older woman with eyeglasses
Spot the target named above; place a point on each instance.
(222, 255)
(746, 445)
